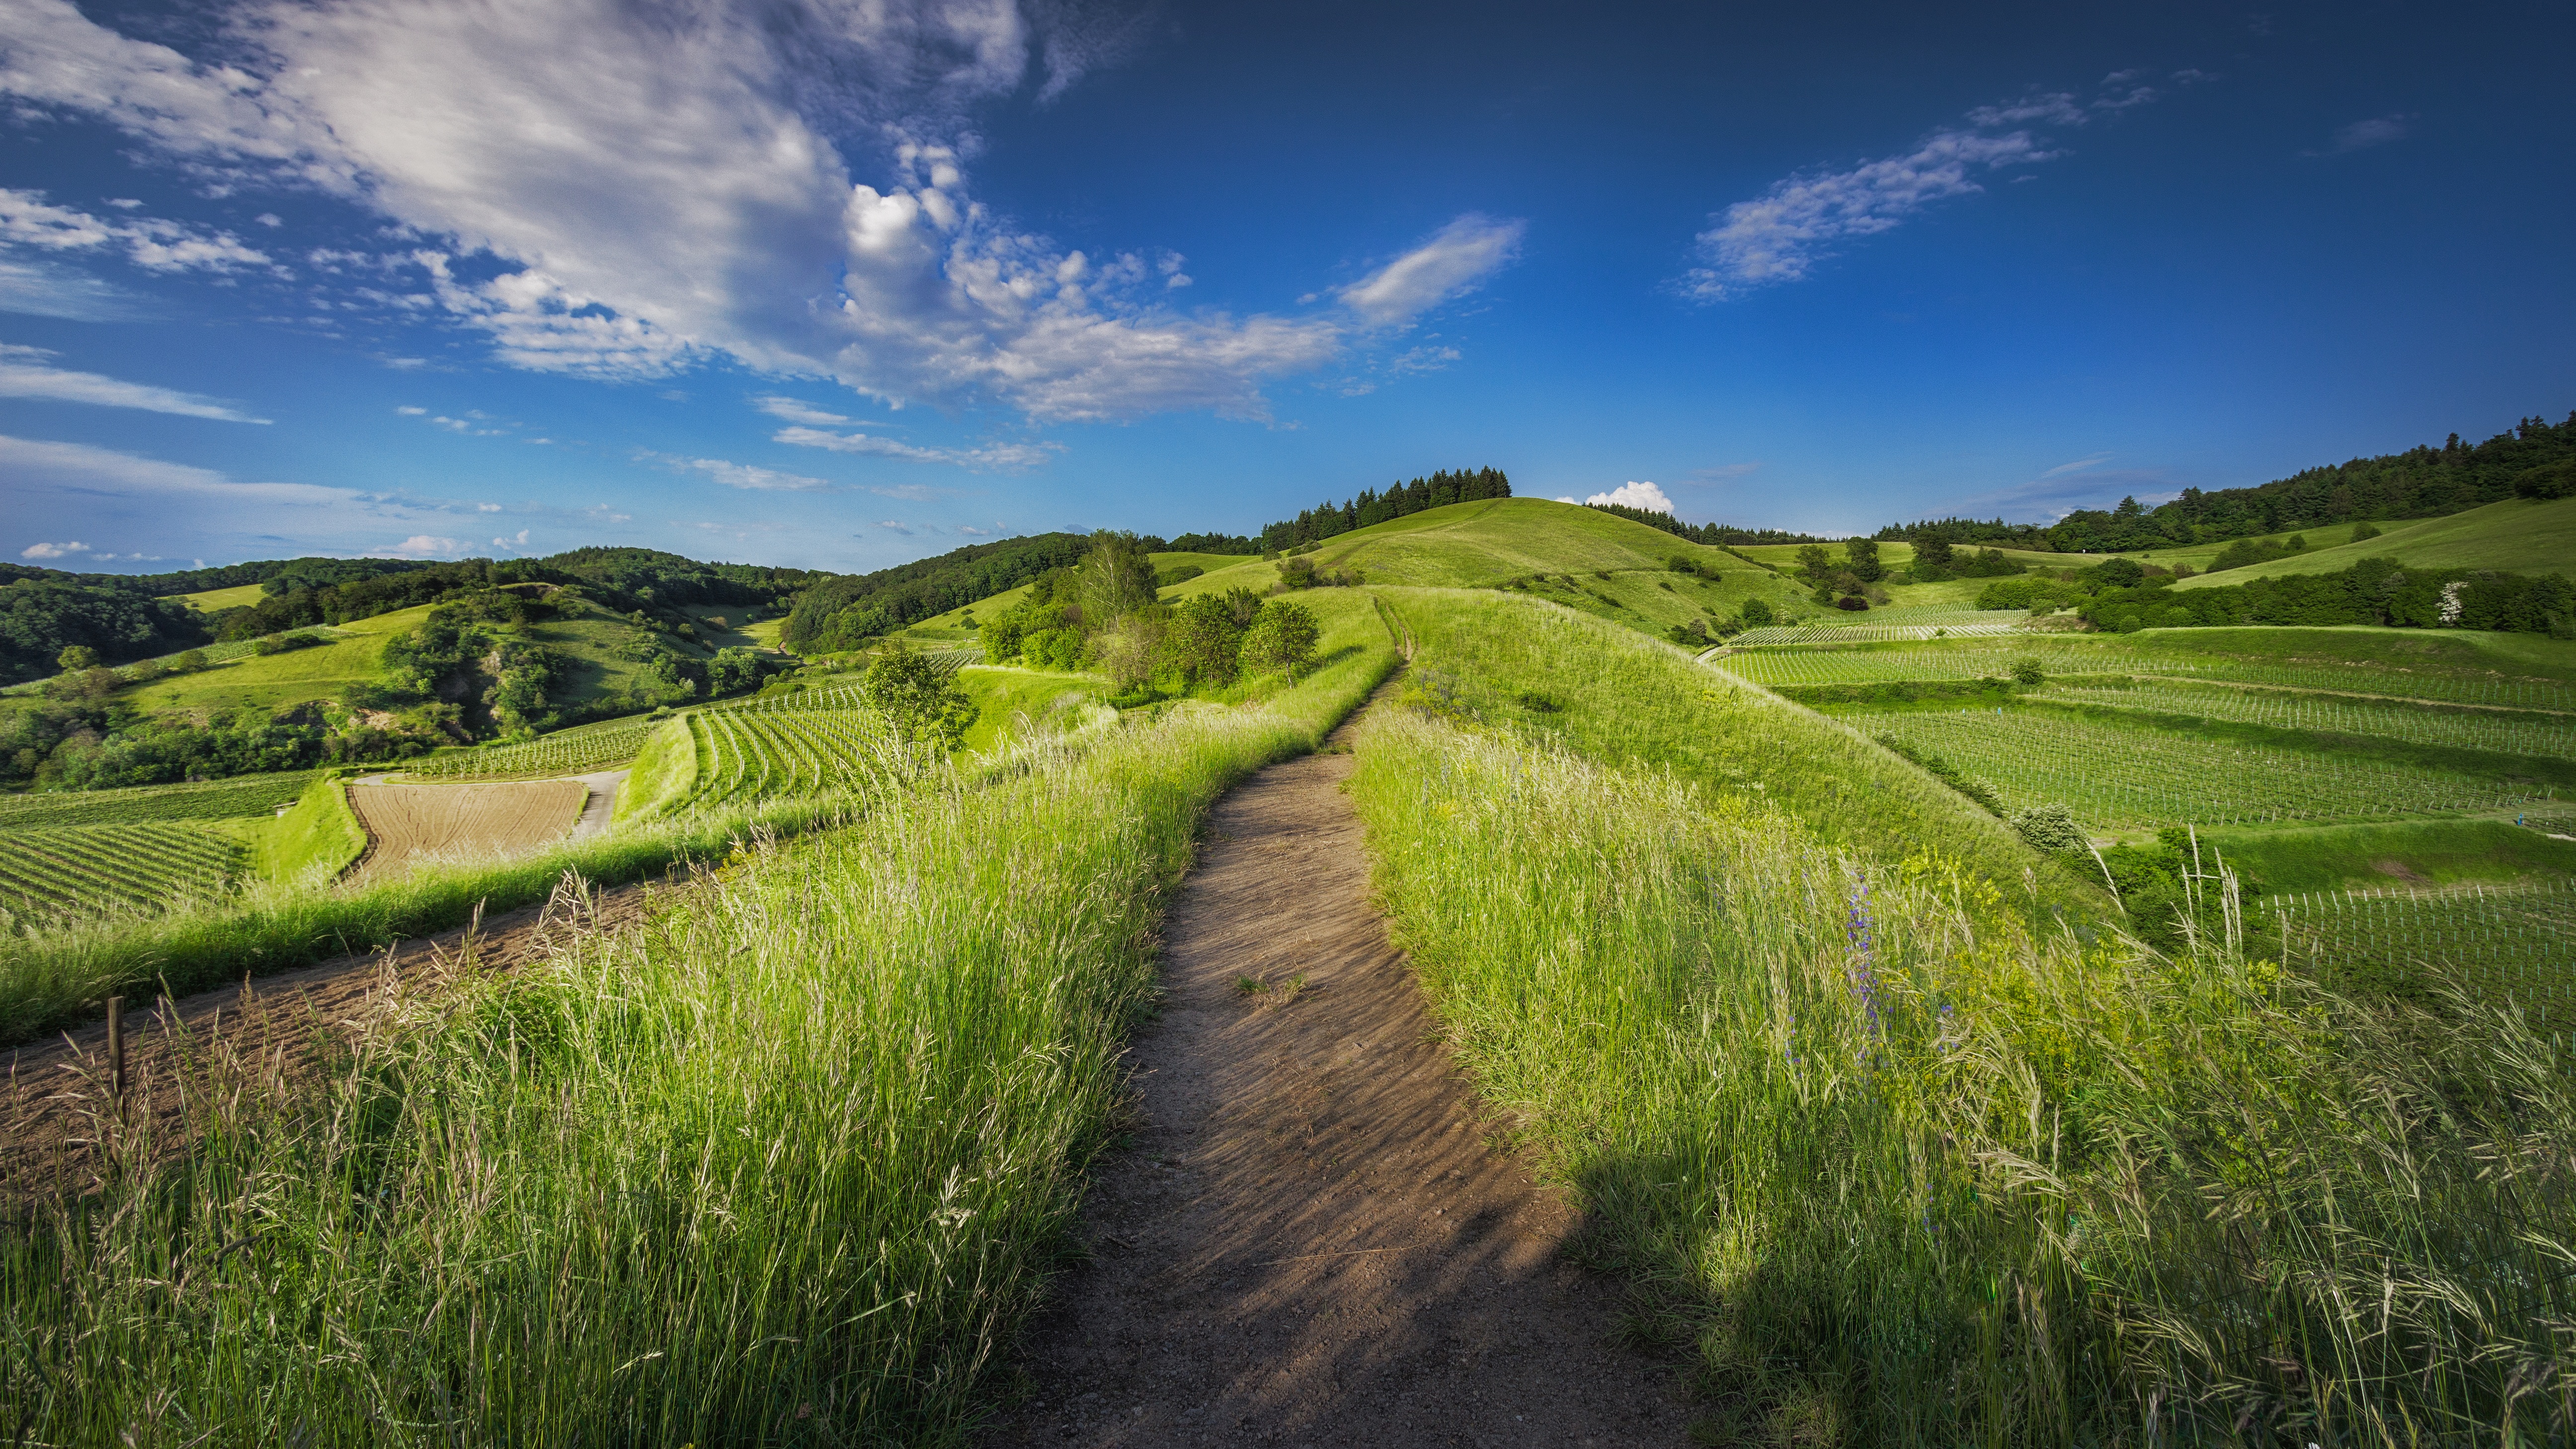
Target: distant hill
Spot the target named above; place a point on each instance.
(2519, 535)
(2533, 459)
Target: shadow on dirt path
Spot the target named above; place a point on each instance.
(1309, 1240)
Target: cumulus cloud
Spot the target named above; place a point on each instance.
(1632, 495)
(421, 545)
(1782, 234)
(994, 457)
(1456, 260)
(25, 373)
(52, 550)
(619, 191)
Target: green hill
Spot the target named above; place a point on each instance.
(2517, 535)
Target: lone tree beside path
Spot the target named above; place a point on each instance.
(923, 703)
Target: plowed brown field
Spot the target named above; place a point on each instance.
(409, 824)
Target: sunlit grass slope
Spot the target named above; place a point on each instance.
(1891, 1167)
(2395, 855)
(2518, 535)
(1634, 702)
(785, 1166)
(234, 598)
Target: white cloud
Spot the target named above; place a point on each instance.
(1454, 261)
(519, 542)
(412, 412)
(788, 409)
(2078, 466)
(487, 507)
(37, 287)
(25, 373)
(52, 550)
(971, 531)
(28, 221)
(903, 529)
(1782, 234)
(619, 191)
(421, 545)
(81, 468)
(744, 475)
(2377, 131)
(995, 457)
(1632, 495)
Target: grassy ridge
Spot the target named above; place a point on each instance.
(2518, 535)
(313, 841)
(1894, 1168)
(1631, 701)
(786, 1167)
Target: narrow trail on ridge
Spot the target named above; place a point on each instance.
(1308, 1239)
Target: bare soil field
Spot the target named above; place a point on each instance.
(1310, 1238)
(408, 824)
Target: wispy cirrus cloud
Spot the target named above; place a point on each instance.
(26, 372)
(1452, 262)
(1781, 235)
(991, 458)
(2362, 135)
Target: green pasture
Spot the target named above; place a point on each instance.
(313, 842)
(353, 656)
(2517, 535)
(1473, 545)
(234, 598)
(1016, 702)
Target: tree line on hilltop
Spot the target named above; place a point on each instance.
(1331, 520)
(2536, 459)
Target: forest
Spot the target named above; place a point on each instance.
(1330, 520)
(2536, 459)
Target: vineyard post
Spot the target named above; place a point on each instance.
(116, 1048)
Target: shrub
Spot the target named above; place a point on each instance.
(2027, 670)
(923, 703)
(2050, 828)
(1282, 637)
(1757, 613)
(2362, 531)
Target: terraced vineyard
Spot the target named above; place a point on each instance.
(2518, 943)
(2056, 655)
(2120, 778)
(245, 796)
(575, 751)
(2512, 734)
(50, 869)
(814, 741)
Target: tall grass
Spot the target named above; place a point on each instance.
(784, 1166)
(1898, 1166)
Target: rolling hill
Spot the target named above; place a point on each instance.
(2517, 535)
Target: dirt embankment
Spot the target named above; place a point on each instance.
(1310, 1239)
(55, 1102)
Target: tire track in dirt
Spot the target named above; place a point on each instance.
(1309, 1239)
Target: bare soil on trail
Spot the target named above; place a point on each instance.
(55, 1098)
(407, 824)
(1310, 1239)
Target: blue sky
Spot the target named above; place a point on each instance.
(834, 284)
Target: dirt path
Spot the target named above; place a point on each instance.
(52, 1091)
(598, 810)
(1309, 1240)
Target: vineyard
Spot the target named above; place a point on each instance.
(2518, 943)
(569, 752)
(791, 747)
(247, 795)
(2076, 655)
(2117, 778)
(1887, 626)
(59, 868)
(2510, 734)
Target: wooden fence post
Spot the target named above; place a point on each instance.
(116, 1046)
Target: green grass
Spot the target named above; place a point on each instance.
(1889, 1167)
(2397, 855)
(1015, 701)
(2518, 535)
(238, 798)
(1631, 701)
(234, 598)
(313, 842)
(788, 1166)
(664, 774)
